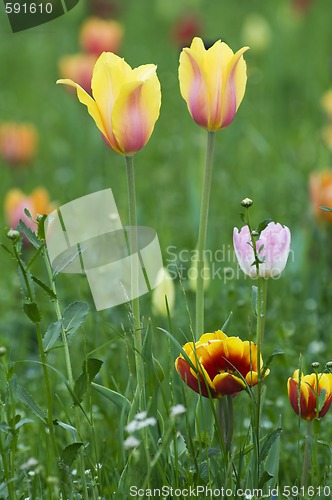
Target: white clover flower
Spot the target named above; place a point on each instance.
(177, 410)
(131, 442)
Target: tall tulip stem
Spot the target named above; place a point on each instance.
(203, 223)
(135, 301)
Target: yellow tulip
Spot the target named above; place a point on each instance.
(212, 82)
(125, 104)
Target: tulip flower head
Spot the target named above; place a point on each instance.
(272, 249)
(165, 290)
(78, 67)
(320, 186)
(220, 365)
(18, 143)
(100, 35)
(212, 82)
(38, 202)
(306, 394)
(125, 102)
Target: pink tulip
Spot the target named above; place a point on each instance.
(272, 248)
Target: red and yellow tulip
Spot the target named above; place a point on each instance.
(125, 104)
(212, 82)
(304, 394)
(221, 365)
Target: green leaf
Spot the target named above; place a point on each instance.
(254, 298)
(262, 225)
(276, 352)
(52, 335)
(69, 428)
(27, 213)
(265, 477)
(67, 260)
(268, 442)
(73, 316)
(41, 227)
(68, 454)
(118, 399)
(26, 281)
(29, 234)
(30, 403)
(90, 369)
(273, 459)
(32, 311)
(44, 287)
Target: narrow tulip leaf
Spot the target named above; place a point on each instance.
(328, 209)
(32, 311)
(29, 234)
(90, 369)
(68, 454)
(52, 336)
(73, 316)
(30, 403)
(44, 287)
(321, 399)
(118, 399)
(273, 459)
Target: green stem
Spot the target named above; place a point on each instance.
(43, 360)
(226, 421)
(202, 232)
(306, 459)
(68, 366)
(135, 301)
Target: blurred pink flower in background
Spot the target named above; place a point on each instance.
(272, 248)
(185, 29)
(78, 67)
(320, 188)
(18, 143)
(301, 6)
(100, 35)
(38, 202)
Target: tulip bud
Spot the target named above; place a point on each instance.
(164, 291)
(305, 394)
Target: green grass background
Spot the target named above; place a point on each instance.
(267, 154)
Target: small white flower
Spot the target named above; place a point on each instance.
(131, 442)
(141, 416)
(29, 464)
(177, 410)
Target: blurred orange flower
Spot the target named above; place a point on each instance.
(78, 67)
(38, 202)
(100, 35)
(18, 142)
(320, 186)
